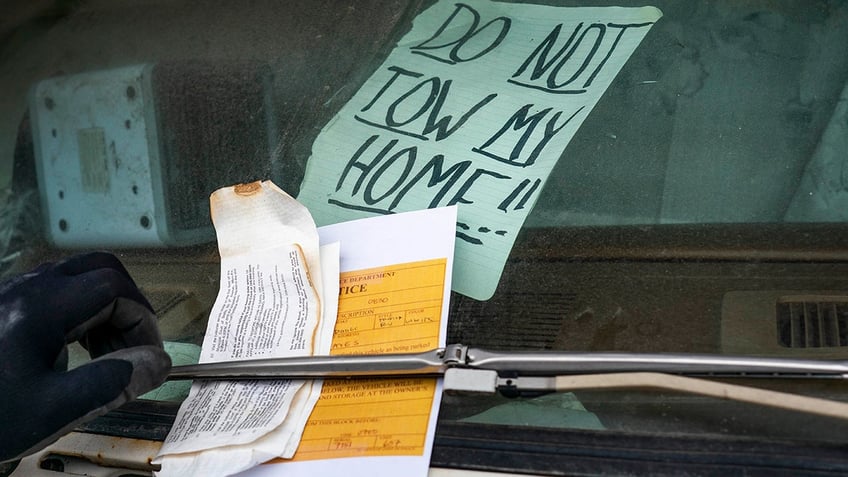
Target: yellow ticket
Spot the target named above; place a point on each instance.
(393, 309)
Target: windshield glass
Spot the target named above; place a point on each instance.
(695, 203)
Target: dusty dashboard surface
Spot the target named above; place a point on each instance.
(699, 208)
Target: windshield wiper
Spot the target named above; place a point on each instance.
(514, 372)
(512, 363)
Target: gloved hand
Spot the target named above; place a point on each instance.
(88, 298)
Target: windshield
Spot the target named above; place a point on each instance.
(695, 203)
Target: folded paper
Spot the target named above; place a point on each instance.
(269, 305)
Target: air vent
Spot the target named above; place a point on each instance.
(811, 323)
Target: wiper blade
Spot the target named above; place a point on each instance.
(515, 372)
(506, 363)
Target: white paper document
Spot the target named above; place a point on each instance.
(394, 292)
(391, 295)
(268, 306)
(473, 107)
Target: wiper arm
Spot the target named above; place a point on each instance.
(513, 372)
(506, 363)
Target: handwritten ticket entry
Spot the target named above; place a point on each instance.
(473, 107)
(393, 309)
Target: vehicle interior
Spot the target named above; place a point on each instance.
(699, 208)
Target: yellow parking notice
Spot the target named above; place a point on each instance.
(392, 309)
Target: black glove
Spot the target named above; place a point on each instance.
(88, 298)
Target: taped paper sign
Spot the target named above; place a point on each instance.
(473, 108)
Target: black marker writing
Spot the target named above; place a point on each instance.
(504, 206)
(526, 123)
(461, 234)
(422, 121)
(444, 47)
(404, 91)
(576, 64)
(377, 179)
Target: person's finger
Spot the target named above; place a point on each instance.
(70, 266)
(122, 324)
(84, 264)
(63, 400)
(82, 296)
(87, 262)
(66, 400)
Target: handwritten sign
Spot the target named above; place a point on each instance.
(473, 107)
